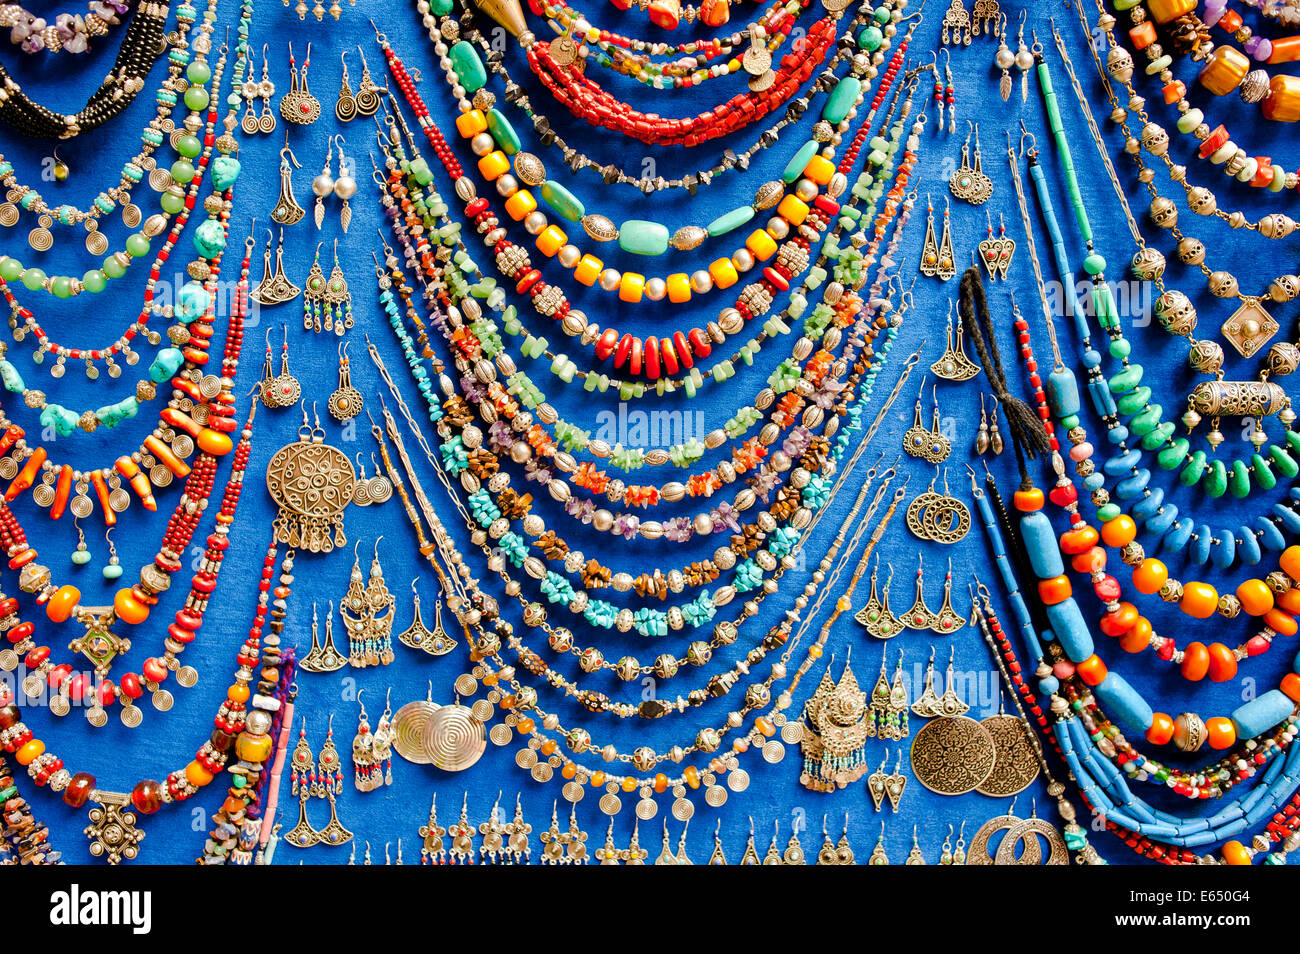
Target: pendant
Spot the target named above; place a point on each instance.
(1249, 327)
(112, 830)
(99, 644)
(311, 483)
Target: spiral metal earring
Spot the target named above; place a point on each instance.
(368, 94)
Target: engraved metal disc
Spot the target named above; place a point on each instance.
(163, 700)
(187, 676)
(408, 730)
(1016, 762)
(131, 216)
(454, 738)
(952, 755)
(131, 716)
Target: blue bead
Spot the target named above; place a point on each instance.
(1225, 553)
(1248, 547)
(1148, 505)
(1040, 543)
(1290, 519)
(1160, 522)
(1073, 633)
(1262, 713)
(1201, 545)
(1271, 537)
(1094, 481)
(1122, 463)
(1123, 701)
(1131, 488)
(1117, 434)
(1177, 538)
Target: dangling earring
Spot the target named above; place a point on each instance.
(878, 706)
(302, 769)
(718, 857)
(323, 186)
(919, 616)
(287, 211)
(886, 625)
(927, 704)
(826, 856)
(269, 396)
(58, 168)
(379, 488)
(953, 365)
(995, 436)
(299, 105)
(1024, 58)
(793, 854)
(956, 24)
(261, 294)
(368, 93)
(962, 182)
(750, 856)
(895, 783)
(876, 783)
(345, 187)
(959, 856)
(946, 621)
(914, 857)
(81, 555)
(322, 657)
(361, 490)
(248, 92)
(927, 443)
(982, 189)
(338, 299)
(346, 401)
(345, 110)
(878, 856)
(982, 434)
(329, 776)
(113, 569)
(896, 724)
(949, 90)
(275, 287)
(383, 748)
(313, 294)
(1004, 59)
(951, 704)
(929, 266)
(287, 388)
(773, 856)
(947, 265)
(265, 89)
(363, 760)
(435, 642)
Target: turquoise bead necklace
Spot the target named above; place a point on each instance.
(1123, 394)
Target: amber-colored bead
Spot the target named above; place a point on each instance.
(1120, 621)
(1138, 637)
(1282, 104)
(1224, 70)
(1199, 601)
(1054, 590)
(1149, 575)
(1255, 596)
(1079, 540)
(1163, 11)
(1162, 729)
(147, 796)
(1027, 501)
(1119, 531)
(1092, 670)
(1235, 853)
(1283, 624)
(1288, 600)
(78, 791)
(1090, 561)
(1290, 685)
(1196, 662)
(1223, 663)
(1142, 35)
(1220, 733)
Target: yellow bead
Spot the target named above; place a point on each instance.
(520, 205)
(793, 209)
(470, 124)
(30, 752)
(1282, 104)
(197, 775)
(762, 245)
(494, 165)
(551, 240)
(819, 170)
(679, 287)
(1224, 70)
(588, 270)
(723, 272)
(631, 288)
(1162, 11)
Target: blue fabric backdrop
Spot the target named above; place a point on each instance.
(120, 756)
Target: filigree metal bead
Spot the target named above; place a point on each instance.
(1175, 312)
(1206, 356)
(1148, 264)
(1191, 250)
(1163, 212)
(599, 228)
(1154, 139)
(1202, 201)
(1283, 358)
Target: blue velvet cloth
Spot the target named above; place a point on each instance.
(166, 741)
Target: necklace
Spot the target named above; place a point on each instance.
(69, 33)
(143, 43)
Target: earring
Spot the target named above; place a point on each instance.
(941, 518)
(885, 624)
(895, 725)
(81, 555)
(265, 89)
(302, 769)
(718, 857)
(927, 443)
(985, 14)
(267, 387)
(929, 266)
(876, 783)
(793, 854)
(953, 364)
(962, 182)
(773, 856)
(345, 187)
(996, 253)
(379, 488)
(248, 90)
(995, 436)
(327, 306)
(634, 854)
(346, 401)
(287, 388)
(113, 569)
(895, 783)
(950, 89)
(322, 658)
(946, 621)
(368, 93)
(836, 731)
(329, 773)
(914, 856)
(367, 612)
(919, 616)
(1004, 59)
(666, 856)
(287, 211)
(927, 704)
(951, 704)
(982, 435)
(283, 290)
(262, 293)
(983, 189)
(750, 856)
(827, 854)
(345, 110)
(843, 852)
(58, 168)
(945, 858)
(435, 642)
(364, 774)
(323, 185)
(299, 105)
(432, 851)
(878, 856)
(956, 25)
(947, 265)
(959, 855)
(1024, 58)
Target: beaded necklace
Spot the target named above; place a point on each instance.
(143, 43)
(69, 33)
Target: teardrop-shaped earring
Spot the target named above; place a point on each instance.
(947, 265)
(260, 294)
(346, 401)
(345, 187)
(982, 434)
(287, 388)
(323, 185)
(929, 266)
(919, 616)
(270, 397)
(345, 109)
(287, 211)
(927, 703)
(995, 435)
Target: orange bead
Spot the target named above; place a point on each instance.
(631, 288)
(793, 209)
(1120, 621)
(761, 244)
(1119, 531)
(1138, 638)
(598, 780)
(629, 784)
(1142, 35)
(1235, 853)
(214, 443)
(661, 783)
(1199, 601)
(1291, 686)
(1282, 104)
(724, 273)
(1092, 670)
(525, 726)
(1196, 662)
(1256, 598)
(1220, 732)
(551, 240)
(1224, 70)
(1289, 600)
(691, 775)
(1055, 590)
(1162, 729)
(494, 165)
(1174, 91)
(1283, 624)
(30, 752)
(128, 608)
(237, 693)
(1027, 501)
(679, 287)
(520, 205)
(819, 170)
(253, 748)
(1290, 562)
(1079, 540)
(470, 123)
(197, 775)
(1089, 561)
(588, 270)
(1163, 11)
(569, 770)
(1223, 663)
(61, 604)
(1149, 575)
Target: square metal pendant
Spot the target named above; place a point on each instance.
(100, 645)
(1249, 328)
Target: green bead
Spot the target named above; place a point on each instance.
(1284, 462)
(1094, 264)
(1216, 480)
(1126, 380)
(503, 132)
(198, 72)
(113, 268)
(731, 220)
(94, 280)
(171, 203)
(1108, 512)
(1191, 474)
(33, 279)
(10, 268)
(182, 171)
(80, 557)
(1134, 401)
(795, 167)
(137, 245)
(112, 571)
(842, 100)
(440, 7)
(196, 98)
(870, 39)
(1120, 348)
(189, 146)
(1173, 456)
(1239, 480)
(1293, 441)
(1263, 473)
(1159, 436)
(1147, 421)
(467, 66)
(11, 377)
(643, 237)
(61, 286)
(565, 203)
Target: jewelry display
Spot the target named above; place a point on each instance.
(326, 304)
(996, 253)
(929, 444)
(969, 183)
(264, 90)
(957, 27)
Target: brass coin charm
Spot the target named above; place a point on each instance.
(952, 755)
(1016, 764)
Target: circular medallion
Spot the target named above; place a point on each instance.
(1015, 763)
(952, 755)
(408, 730)
(453, 738)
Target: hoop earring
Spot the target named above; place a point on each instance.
(345, 109)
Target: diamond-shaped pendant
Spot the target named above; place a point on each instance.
(1249, 328)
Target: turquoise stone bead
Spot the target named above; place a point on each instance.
(225, 170)
(440, 7)
(110, 415)
(795, 167)
(1125, 703)
(60, 418)
(1283, 462)
(842, 100)
(112, 571)
(503, 132)
(164, 366)
(80, 557)
(467, 66)
(1172, 457)
(11, 377)
(565, 203)
(731, 220)
(1262, 713)
(643, 237)
(209, 238)
(1248, 548)
(191, 302)
(870, 39)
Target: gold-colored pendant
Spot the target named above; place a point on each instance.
(1249, 328)
(99, 644)
(312, 483)
(112, 830)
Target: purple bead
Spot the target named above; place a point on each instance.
(1213, 11)
(1260, 48)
